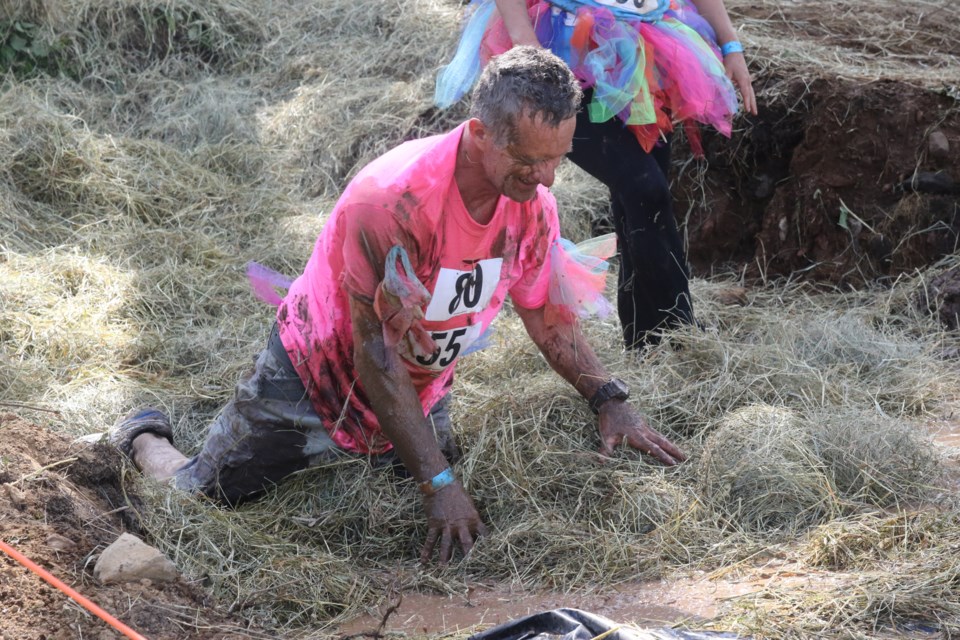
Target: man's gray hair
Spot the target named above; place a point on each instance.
(524, 81)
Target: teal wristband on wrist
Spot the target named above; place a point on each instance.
(733, 46)
(437, 482)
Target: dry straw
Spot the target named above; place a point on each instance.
(198, 136)
(892, 576)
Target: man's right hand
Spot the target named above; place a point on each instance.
(451, 518)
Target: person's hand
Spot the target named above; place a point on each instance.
(736, 68)
(451, 517)
(620, 423)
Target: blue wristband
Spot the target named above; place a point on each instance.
(733, 46)
(437, 482)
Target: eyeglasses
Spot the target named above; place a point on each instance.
(527, 162)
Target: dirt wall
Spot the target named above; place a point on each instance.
(834, 181)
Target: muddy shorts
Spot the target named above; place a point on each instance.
(270, 430)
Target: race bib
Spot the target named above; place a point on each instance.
(456, 293)
(646, 10)
(450, 345)
(459, 292)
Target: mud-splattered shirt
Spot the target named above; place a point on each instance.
(408, 197)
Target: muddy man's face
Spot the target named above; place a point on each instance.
(531, 159)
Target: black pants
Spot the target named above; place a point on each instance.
(653, 291)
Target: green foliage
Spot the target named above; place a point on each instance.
(178, 27)
(27, 52)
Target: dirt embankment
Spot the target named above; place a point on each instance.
(835, 181)
(851, 171)
(61, 503)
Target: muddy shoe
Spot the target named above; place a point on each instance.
(138, 422)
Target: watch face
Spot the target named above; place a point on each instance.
(614, 389)
(619, 389)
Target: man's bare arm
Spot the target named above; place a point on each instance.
(451, 516)
(568, 353)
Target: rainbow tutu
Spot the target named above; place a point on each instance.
(650, 70)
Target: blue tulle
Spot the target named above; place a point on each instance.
(484, 341)
(560, 44)
(456, 78)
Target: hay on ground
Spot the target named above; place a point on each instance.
(193, 138)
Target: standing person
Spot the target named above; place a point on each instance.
(644, 65)
(415, 261)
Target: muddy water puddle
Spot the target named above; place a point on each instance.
(653, 605)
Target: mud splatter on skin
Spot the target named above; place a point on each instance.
(560, 348)
(381, 366)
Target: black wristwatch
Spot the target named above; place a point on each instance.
(616, 389)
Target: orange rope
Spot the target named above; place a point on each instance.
(59, 584)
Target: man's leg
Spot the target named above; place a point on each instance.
(266, 432)
(156, 457)
(146, 437)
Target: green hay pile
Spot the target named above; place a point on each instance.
(187, 140)
(760, 468)
(819, 350)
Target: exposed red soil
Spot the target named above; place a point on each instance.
(61, 503)
(836, 182)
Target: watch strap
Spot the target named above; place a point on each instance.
(613, 389)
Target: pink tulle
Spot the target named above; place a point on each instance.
(265, 281)
(691, 75)
(578, 279)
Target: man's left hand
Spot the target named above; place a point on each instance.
(620, 423)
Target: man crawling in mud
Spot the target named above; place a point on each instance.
(410, 270)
